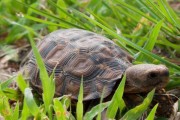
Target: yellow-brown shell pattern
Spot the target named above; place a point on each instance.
(76, 53)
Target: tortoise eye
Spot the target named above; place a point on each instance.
(153, 74)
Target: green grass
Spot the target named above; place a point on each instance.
(139, 27)
(79, 107)
(117, 101)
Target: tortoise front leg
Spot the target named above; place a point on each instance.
(165, 103)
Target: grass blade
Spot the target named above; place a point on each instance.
(152, 9)
(136, 112)
(62, 10)
(6, 83)
(95, 110)
(133, 45)
(29, 100)
(151, 41)
(47, 84)
(5, 110)
(153, 36)
(61, 3)
(11, 93)
(152, 113)
(25, 111)
(44, 21)
(123, 4)
(169, 13)
(15, 112)
(48, 15)
(99, 19)
(79, 108)
(117, 100)
(27, 28)
(100, 107)
(59, 110)
(21, 83)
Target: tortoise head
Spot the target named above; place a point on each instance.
(144, 77)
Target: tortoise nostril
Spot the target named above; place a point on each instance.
(153, 74)
(166, 73)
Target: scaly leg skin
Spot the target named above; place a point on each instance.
(132, 100)
(166, 102)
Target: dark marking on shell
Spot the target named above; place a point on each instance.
(74, 53)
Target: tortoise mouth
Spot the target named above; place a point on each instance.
(154, 83)
(146, 86)
(159, 83)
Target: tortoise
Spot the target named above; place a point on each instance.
(75, 53)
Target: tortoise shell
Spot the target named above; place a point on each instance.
(75, 53)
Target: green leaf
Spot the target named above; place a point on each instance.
(122, 39)
(5, 110)
(136, 112)
(100, 20)
(6, 83)
(79, 108)
(25, 111)
(100, 107)
(48, 84)
(15, 112)
(125, 5)
(152, 113)
(168, 13)
(26, 28)
(65, 100)
(95, 110)
(153, 36)
(11, 93)
(63, 5)
(16, 32)
(71, 18)
(44, 21)
(59, 110)
(151, 41)
(29, 100)
(117, 100)
(49, 15)
(152, 8)
(21, 83)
